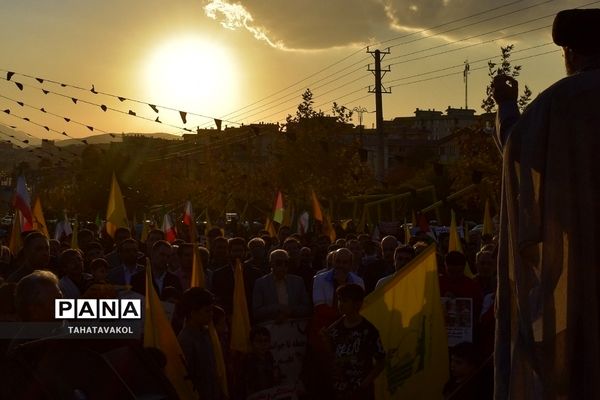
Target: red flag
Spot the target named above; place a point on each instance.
(188, 214)
(169, 229)
(22, 202)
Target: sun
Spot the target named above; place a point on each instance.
(194, 74)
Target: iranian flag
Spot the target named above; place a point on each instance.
(169, 229)
(278, 213)
(22, 202)
(188, 214)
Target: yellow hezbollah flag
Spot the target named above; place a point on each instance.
(269, 227)
(199, 280)
(488, 226)
(39, 222)
(316, 206)
(407, 311)
(328, 229)
(116, 216)
(240, 321)
(159, 334)
(454, 243)
(15, 243)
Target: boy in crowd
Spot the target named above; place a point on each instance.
(259, 368)
(358, 355)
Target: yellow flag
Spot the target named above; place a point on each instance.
(328, 229)
(16, 243)
(269, 227)
(407, 311)
(240, 320)
(75, 236)
(454, 243)
(39, 222)
(488, 226)
(317, 209)
(199, 280)
(159, 334)
(116, 215)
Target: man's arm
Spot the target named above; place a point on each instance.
(505, 91)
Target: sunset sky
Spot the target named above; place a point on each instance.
(213, 58)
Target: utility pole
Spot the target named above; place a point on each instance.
(378, 90)
(466, 79)
(360, 110)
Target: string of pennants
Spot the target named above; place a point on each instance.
(156, 108)
(183, 114)
(33, 149)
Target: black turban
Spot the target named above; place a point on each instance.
(578, 29)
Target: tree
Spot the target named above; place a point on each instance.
(341, 113)
(305, 109)
(504, 68)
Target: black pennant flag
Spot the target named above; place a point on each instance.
(93, 90)
(26, 119)
(46, 128)
(158, 120)
(19, 85)
(122, 98)
(183, 116)
(42, 109)
(40, 80)
(63, 85)
(26, 141)
(67, 119)
(112, 135)
(65, 134)
(21, 103)
(9, 75)
(84, 141)
(7, 111)
(218, 124)
(103, 107)
(91, 128)
(74, 100)
(187, 129)
(132, 113)
(45, 91)
(152, 106)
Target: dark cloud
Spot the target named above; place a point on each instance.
(318, 24)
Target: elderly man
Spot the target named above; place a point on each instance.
(279, 295)
(548, 305)
(325, 283)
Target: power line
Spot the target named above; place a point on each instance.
(237, 115)
(382, 42)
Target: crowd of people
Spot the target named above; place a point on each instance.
(291, 276)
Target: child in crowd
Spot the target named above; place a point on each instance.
(98, 287)
(358, 355)
(259, 368)
(194, 338)
(464, 364)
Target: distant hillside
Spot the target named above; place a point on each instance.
(18, 137)
(107, 138)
